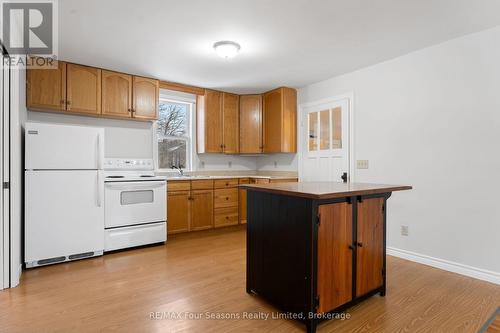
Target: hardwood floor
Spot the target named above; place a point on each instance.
(205, 272)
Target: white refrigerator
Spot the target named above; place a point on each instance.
(64, 193)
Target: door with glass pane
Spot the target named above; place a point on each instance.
(325, 146)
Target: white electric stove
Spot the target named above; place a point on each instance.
(134, 204)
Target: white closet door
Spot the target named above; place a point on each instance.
(4, 175)
(325, 141)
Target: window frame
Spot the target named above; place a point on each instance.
(190, 138)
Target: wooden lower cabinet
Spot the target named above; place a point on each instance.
(336, 247)
(205, 204)
(334, 255)
(178, 211)
(202, 209)
(370, 245)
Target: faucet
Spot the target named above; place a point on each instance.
(179, 168)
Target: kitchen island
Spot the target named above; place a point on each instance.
(316, 248)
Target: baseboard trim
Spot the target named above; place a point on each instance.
(477, 273)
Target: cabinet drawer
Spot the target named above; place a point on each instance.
(226, 198)
(226, 183)
(202, 184)
(244, 181)
(225, 216)
(178, 185)
(259, 181)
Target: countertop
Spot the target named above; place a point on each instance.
(201, 177)
(325, 190)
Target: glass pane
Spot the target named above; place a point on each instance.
(337, 128)
(313, 131)
(173, 119)
(136, 197)
(324, 130)
(172, 152)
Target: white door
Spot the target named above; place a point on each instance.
(325, 141)
(51, 147)
(64, 213)
(4, 175)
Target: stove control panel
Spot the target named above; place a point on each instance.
(128, 164)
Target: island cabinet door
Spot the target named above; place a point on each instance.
(370, 245)
(334, 283)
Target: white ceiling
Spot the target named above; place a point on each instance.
(284, 42)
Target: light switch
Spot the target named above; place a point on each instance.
(362, 164)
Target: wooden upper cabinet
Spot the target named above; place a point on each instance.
(46, 88)
(251, 124)
(116, 94)
(370, 245)
(145, 95)
(280, 121)
(83, 85)
(231, 116)
(209, 122)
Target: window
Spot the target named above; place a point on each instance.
(173, 133)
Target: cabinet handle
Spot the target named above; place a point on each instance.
(62, 101)
(227, 198)
(227, 217)
(351, 247)
(68, 102)
(360, 244)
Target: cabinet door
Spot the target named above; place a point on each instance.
(280, 121)
(145, 98)
(202, 209)
(46, 88)
(209, 122)
(178, 212)
(251, 124)
(83, 86)
(116, 94)
(273, 105)
(334, 256)
(231, 123)
(243, 206)
(370, 245)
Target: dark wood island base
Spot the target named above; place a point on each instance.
(316, 249)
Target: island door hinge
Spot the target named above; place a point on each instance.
(318, 219)
(383, 272)
(316, 302)
(6, 185)
(383, 208)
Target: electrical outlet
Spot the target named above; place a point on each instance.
(230, 164)
(404, 230)
(275, 164)
(362, 164)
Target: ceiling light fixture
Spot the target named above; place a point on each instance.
(227, 49)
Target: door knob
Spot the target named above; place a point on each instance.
(360, 244)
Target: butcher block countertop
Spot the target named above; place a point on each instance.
(324, 190)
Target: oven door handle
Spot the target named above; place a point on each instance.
(130, 186)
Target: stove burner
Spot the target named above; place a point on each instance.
(115, 177)
(144, 176)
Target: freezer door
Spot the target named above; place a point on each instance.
(64, 213)
(53, 147)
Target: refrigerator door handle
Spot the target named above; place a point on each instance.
(98, 189)
(98, 151)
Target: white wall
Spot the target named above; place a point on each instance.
(431, 119)
(123, 138)
(278, 162)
